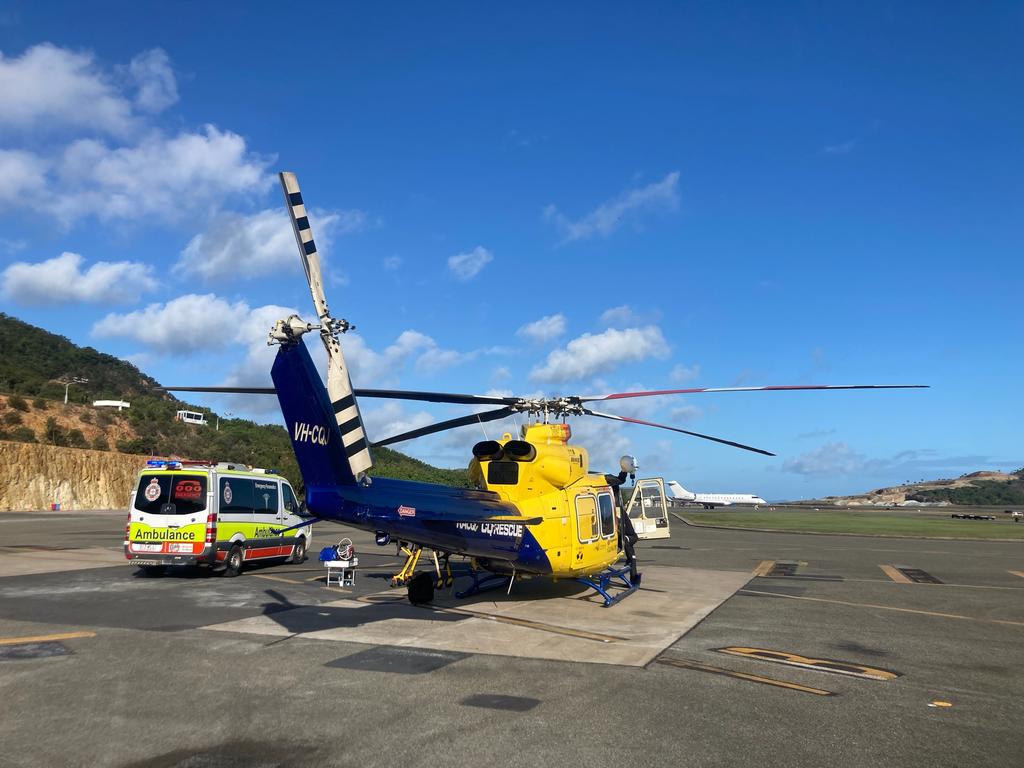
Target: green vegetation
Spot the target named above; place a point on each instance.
(35, 359)
(18, 435)
(869, 522)
(980, 492)
(39, 404)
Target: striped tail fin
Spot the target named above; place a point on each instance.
(339, 385)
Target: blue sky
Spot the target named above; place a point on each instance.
(525, 199)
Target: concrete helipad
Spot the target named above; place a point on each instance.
(538, 620)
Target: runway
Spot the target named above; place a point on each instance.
(749, 648)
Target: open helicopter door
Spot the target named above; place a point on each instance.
(648, 510)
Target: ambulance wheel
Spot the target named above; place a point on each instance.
(233, 562)
(421, 588)
(299, 552)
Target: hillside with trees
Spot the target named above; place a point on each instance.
(36, 362)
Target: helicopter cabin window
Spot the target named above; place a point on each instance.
(503, 473)
(586, 518)
(607, 515)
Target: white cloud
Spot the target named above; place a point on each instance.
(120, 166)
(392, 419)
(610, 215)
(392, 263)
(47, 87)
(680, 374)
(168, 178)
(546, 329)
(157, 89)
(620, 316)
(370, 368)
(466, 266)
(591, 354)
(500, 374)
(686, 413)
(185, 325)
(260, 243)
(23, 174)
(843, 148)
(830, 459)
(61, 280)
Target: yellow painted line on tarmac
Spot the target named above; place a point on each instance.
(895, 574)
(1018, 573)
(674, 661)
(45, 638)
(884, 607)
(275, 578)
(764, 567)
(807, 662)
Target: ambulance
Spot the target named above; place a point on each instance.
(219, 515)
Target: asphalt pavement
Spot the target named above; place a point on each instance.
(839, 651)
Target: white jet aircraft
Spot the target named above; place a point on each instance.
(712, 500)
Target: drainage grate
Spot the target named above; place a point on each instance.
(400, 661)
(27, 651)
(497, 701)
(918, 576)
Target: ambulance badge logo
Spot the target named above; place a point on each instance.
(152, 491)
(407, 511)
(227, 493)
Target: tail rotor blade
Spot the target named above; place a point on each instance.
(441, 426)
(677, 429)
(304, 237)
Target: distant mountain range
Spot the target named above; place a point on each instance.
(34, 361)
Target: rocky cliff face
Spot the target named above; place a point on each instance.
(32, 477)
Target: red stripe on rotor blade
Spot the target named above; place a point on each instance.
(774, 387)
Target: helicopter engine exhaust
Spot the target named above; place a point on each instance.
(520, 450)
(488, 450)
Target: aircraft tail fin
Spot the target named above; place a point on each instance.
(676, 490)
(309, 418)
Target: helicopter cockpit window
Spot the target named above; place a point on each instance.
(502, 473)
(607, 515)
(586, 518)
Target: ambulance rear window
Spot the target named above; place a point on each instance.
(165, 494)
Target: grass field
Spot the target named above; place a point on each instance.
(873, 522)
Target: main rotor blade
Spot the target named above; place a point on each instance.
(436, 397)
(389, 394)
(780, 387)
(677, 429)
(441, 426)
(223, 390)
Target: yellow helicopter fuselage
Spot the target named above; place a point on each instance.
(546, 478)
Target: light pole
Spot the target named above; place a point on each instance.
(227, 415)
(67, 385)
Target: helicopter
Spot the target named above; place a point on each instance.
(537, 509)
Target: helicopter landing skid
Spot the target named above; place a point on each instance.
(484, 583)
(600, 583)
